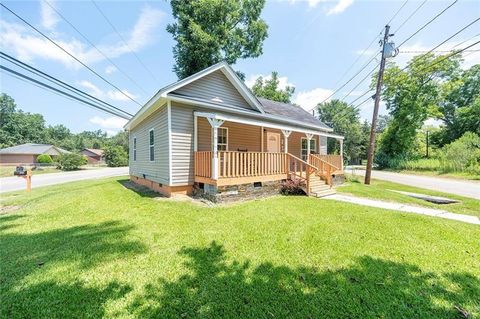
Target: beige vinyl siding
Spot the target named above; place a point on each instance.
(215, 85)
(157, 170)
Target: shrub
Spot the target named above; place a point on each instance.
(115, 156)
(462, 155)
(292, 187)
(44, 159)
(71, 161)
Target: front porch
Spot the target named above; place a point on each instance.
(235, 151)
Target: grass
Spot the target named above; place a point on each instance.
(453, 175)
(384, 190)
(7, 171)
(97, 249)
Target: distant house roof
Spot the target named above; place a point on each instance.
(290, 111)
(32, 148)
(94, 151)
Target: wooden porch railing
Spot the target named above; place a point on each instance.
(203, 164)
(300, 169)
(324, 169)
(334, 160)
(246, 164)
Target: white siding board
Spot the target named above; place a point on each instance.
(215, 85)
(158, 170)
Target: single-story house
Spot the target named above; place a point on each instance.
(93, 155)
(209, 132)
(27, 153)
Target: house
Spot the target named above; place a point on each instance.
(208, 132)
(27, 153)
(93, 155)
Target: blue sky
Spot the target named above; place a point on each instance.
(311, 44)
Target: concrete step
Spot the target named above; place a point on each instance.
(323, 193)
(319, 188)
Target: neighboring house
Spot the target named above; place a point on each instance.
(27, 153)
(209, 132)
(93, 155)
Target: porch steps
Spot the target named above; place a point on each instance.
(318, 187)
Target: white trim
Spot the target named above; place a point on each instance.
(226, 129)
(242, 88)
(195, 132)
(261, 123)
(286, 134)
(308, 145)
(169, 128)
(151, 145)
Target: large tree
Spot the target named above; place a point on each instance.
(412, 95)
(269, 89)
(210, 31)
(345, 120)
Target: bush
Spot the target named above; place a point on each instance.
(292, 187)
(462, 155)
(71, 161)
(115, 156)
(44, 159)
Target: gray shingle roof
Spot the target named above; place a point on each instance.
(291, 111)
(30, 148)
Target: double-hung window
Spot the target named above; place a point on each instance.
(222, 140)
(134, 148)
(152, 145)
(313, 147)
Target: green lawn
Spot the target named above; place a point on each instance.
(384, 190)
(97, 249)
(6, 171)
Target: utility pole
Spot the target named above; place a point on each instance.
(371, 146)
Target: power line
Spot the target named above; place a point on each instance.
(46, 86)
(123, 39)
(361, 81)
(57, 81)
(435, 51)
(410, 16)
(426, 24)
(396, 13)
(94, 46)
(71, 55)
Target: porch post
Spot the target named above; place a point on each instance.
(309, 138)
(195, 132)
(341, 153)
(215, 123)
(286, 134)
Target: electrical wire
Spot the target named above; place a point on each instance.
(410, 16)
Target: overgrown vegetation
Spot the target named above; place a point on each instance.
(70, 161)
(75, 250)
(292, 187)
(115, 156)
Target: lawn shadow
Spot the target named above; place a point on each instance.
(139, 189)
(369, 288)
(44, 253)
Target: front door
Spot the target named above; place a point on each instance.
(273, 142)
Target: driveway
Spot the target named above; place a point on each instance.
(14, 183)
(446, 185)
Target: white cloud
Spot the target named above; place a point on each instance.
(112, 95)
(111, 125)
(341, 6)
(110, 69)
(49, 16)
(282, 80)
(28, 45)
(309, 99)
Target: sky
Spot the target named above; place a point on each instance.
(311, 44)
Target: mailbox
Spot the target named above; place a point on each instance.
(20, 171)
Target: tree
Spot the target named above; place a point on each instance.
(115, 156)
(411, 96)
(345, 120)
(269, 89)
(44, 159)
(210, 31)
(70, 161)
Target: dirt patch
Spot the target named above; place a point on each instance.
(8, 209)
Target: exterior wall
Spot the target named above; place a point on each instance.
(162, 189)
(215, 85)
(157, 170)
(16, 159)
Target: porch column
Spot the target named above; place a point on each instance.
(286, 134)
(341, 153)
(215, 123)
(309, 138)
(195, 132)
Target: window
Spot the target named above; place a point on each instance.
(152, 145)
(134, 148)
(313, 147)
(222, 140)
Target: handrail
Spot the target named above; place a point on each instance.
(321, 158)
(301, 169)
(324, 168)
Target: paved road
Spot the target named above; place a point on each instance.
(14, 183)
(446, 185)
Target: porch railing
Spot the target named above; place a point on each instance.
(203, 164)
(246, 164)
(325, 169)
(334, 160)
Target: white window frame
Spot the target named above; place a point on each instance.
(218, 135)
(151, 146)
(135, 148)
(304, 156)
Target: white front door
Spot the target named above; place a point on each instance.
(273, 142)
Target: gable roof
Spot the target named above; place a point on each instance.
(290, 111)
(94, 151)
(31, 148)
